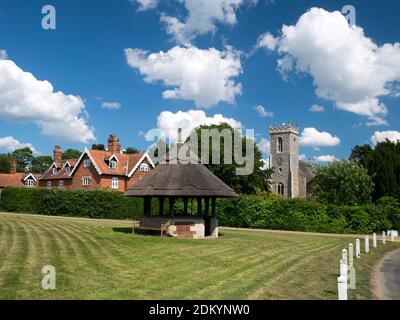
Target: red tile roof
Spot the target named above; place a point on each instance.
(61, 174)
(14, 180)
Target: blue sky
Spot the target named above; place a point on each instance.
(85, 57)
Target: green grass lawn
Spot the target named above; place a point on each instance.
(100, 260)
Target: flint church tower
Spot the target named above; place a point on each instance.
(284, 159)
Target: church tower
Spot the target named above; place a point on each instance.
(284, 159)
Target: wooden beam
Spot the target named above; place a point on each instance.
(161, 205)
(199, 206)
(207, 209)
(185, 206)
(147, 206)
(171, 206)
(213, 207)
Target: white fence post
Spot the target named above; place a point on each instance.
(342, 288)
(343, 268)
(366, 244)
(344, 255)
(392, 236)
(351, 254)
(358, 254)
(383, 237)
(374, 240)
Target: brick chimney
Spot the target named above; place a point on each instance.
(114, 146)
(57, 154)
(13, 169)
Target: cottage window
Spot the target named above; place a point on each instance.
(281, 189)
(86, 163)
(280, 145)
(48, 184)
(114, 183)
(113, 164)
(144, 167)
(54, 170)
(67, 169)
(86, 181)
(29, 183)
(61, 184)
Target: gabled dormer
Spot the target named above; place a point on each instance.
(112, 162)
(54, 169)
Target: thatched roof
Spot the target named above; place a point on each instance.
(307, 170)
(171, 178)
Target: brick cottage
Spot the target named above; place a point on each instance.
(95, 169)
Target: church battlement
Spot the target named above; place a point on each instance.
(284, 128)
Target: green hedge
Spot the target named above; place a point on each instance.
(97, 204)
(269, 212)
(263, 211)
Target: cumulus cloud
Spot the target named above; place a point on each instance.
(111, 105)
(169, 122)
(267, 41)
(10, 144)
(311, 137)
(316, 108)
(145, 4)
(347, 67)
(202, 18)
(262, 112)
(3, 55)
(203, 76)
(325, 158)
(24, 98)
(380, 136)
(302, 157)
(264, 146)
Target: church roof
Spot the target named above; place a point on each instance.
(307, 170)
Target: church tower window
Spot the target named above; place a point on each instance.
(281, 189)
(280, 145)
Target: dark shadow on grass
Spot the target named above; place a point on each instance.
(123, 230)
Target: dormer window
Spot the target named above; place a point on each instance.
(144, 167)
(113, 164)
(67, 169)
(86, 163)
(54, 170)
(29, 183)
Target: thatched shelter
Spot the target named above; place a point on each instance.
(180, 175)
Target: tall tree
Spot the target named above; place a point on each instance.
(100, 147)
(255, 181)
(342, 182)
(132, 150)
(71, 154)
(41, 163)
(24, 158)
(383, 165)
(5, 163)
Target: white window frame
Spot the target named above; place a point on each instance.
(86, 181)
(113, 164)
(144, 167)
(29, 183)
(49, 185)
(61, 184)
(54, 170)
(86, 163)
(114, 183)
(67, 169)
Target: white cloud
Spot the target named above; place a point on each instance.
(169, 122)
(380, 136)
(24, 98)
(325, 158)
(204, 76)
(264, 146)
(111, 105)
(3, 55)
(302, 157)
(347, 67)
(262, 112)
(145, 4)
(267, 41)
(316, 108)
(311, 137)
(202, 17)
(10, 144)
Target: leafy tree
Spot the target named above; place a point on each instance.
(383, 165)
(256, 181)
(342, 182)
(5, 163)
(132, 150)
(24, 158)
(71, 154)
(41, 163)
(100, 147)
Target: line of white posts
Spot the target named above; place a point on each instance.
(347, 278)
